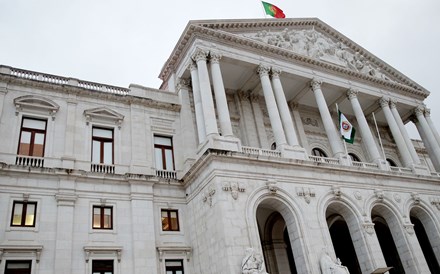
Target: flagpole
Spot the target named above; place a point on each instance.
(264, 11)
(378, 134)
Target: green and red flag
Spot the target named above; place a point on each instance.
(273, 10)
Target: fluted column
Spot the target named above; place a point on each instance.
(364, 128)
(395, 131)
(433, 147)
(330, 129)
(205, 93)
(405, 135)
(431, 125)
(200, 121)
(271, 105)
(283, 108)
(220, 96)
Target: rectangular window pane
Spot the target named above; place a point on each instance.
(25, 142)
(169, 159)
(36, 124)
(38, 149)
(18, 211)
(179, 272)
(158, 158)
(96, 152)
(96, 217)
(30, 215)
(169, 272)
(108, 153)
(18, 265)
(107, 218)
(158, 140)
(105, 133)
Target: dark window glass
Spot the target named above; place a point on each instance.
(18, 267)
(102, 146)
(391, 162)
(32, 137)
(174, 266)
(102, 267)
(170, 220)
(353, 157)
(318, 152)
(102, 217)
(23, 213)
(163, 152)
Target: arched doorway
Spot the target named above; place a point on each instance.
(275, 241)
(420, 219)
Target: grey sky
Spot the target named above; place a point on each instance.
(123, 42)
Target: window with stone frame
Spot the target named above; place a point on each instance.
(174, 266)
(163, 152)
(170, 220)
(18, 267)
(32, 137)
(318, 152)
(102, 217)
(23, 213)
(102, 267)
(354, 157)
(102, 146)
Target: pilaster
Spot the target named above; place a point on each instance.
(198, 108)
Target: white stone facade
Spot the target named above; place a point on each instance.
(250, 109)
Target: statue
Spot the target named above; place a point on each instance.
(328, 266)
(252, 263)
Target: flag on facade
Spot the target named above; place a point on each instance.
(347, 130)
(273, 10)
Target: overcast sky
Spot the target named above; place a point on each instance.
(127, 41)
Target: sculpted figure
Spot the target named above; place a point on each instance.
(328, 266)
(252, 263)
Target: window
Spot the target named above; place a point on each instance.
(391, 162)
(170, 220)
(102, 217)
(174, 266)
(354, 157)
(32, 137)
(318, 152)
(102, 146)
(18, 267)
(163, 152)
(102, 267)
(23, 213)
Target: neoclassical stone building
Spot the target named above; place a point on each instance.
(234, 165)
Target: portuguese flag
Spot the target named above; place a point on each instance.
(273, 10)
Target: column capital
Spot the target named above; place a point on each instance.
(263, 70)
(192, 66)
(276, 72)
(315, 83)
(352, 93)
(427, 112)
(183, 83)
(393, 103)
(215, 57)
(199, 54)
(384, 102)
(419, 110)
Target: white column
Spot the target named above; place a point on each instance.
(271, 105)
(220, 96)
(200, 121)
(205, 91)
(283, 108)
(364, 129)
(405, 135)
(433, 147)
(431, 125)
(332, 134)
(395, 131)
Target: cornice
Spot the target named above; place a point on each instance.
(215, 30)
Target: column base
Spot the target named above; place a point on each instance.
(220, 142)
(420, 170)
(295, 152)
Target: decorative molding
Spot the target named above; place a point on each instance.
(368, 227)
(183, 83)
(436, 202)
(215, 57)
(36, 104)
(397, 197)
(165, 251)
(384, 102)
(315, 84)
(272, 186)
(103, 114)
(31, 249)
(357, 195)
(306, 192)
(200, 55)
(162, 125)
(310, 121)
(276, 72)
(263, 70)
(379, 194)
(352, 93)
(207, 198)
(336, 192)
(409, 228)
(66, 199)
(415, 197)
(234, 187)
(94, 250)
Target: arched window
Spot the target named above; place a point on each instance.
(273, 146)
(318, 152)
(354, 157)
(391, 162)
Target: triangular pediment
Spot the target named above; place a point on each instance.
(104, 114)
(36, 104)
(307, 40)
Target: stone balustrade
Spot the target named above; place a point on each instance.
(166, 174)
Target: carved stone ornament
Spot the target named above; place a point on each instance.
(369, 227)
(306, 192)
(272, 186)
(309, 121)
(263, 70)
(397, 198)
(409, 228)
(200, 55)
(103, 114)
(336, 192)
(315, 84)
(357, 195)
(252, 263)
(379, 194)
(183, 83)
(36, 104)
(416, 198)
(208, 196)
(436, 202)
(331, 266)
(384, 102)
(234, 188)
(215, 57)
(352, 93)
(313, 44)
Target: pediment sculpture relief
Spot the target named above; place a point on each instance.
(309, 42)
